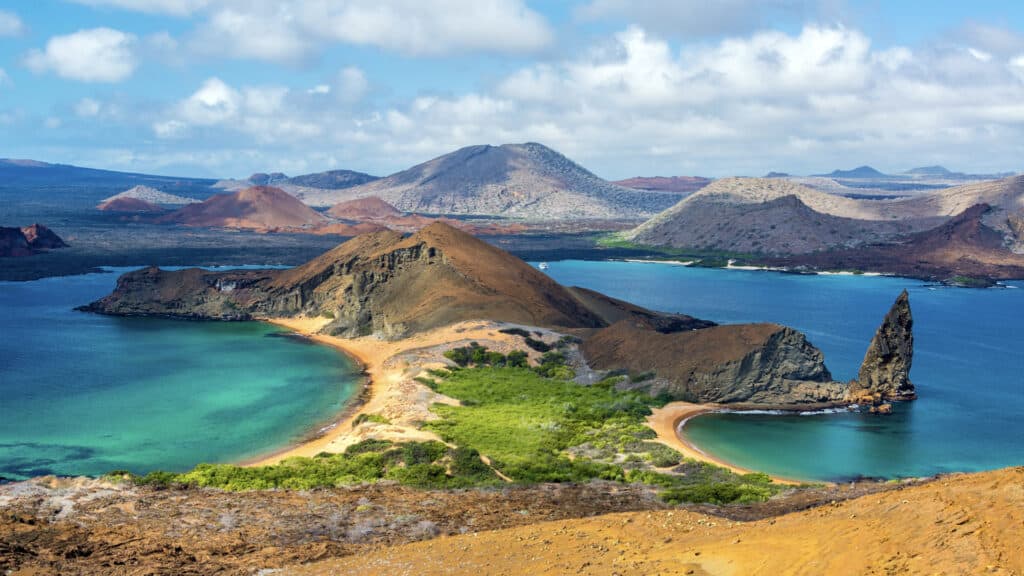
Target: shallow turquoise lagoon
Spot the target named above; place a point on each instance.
(86, 394)
(968, 367)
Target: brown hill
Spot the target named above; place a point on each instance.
(963, 246)
(375, 283)
(128, 204)
(258, 207)
(682, 185)
(391, 285)
(529, 181)
(960, 524)
(369, 208)
(763, 364)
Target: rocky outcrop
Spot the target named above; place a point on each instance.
(28, 240)
(753, 364)
(885, 372)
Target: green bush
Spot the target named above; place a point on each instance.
(362, 418)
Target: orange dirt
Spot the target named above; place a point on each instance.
(961, 524)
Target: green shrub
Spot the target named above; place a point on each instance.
(362, 418)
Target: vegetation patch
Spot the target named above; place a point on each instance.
(376, 418)
(537, 428)
(417, 464)
(533, 424)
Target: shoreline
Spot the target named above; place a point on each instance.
(667, 422)
(388, 390)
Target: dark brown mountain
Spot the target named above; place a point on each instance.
(28, 240)
(258, 207)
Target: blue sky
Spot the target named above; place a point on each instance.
(737, 87)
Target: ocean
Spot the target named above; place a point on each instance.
(82, 393)
(968, 367)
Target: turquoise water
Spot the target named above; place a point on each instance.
(968, 367)
(86, 394)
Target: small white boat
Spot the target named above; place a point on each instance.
(543, 265)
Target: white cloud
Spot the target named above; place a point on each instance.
(263, 112)
(292, 30)
(10, 24)
(87, 108)
(94, 55)
(52, 122)
(351, 84)
(421, 28)
(268, 33)
(810, 101)
(979, 55)
(213, 103)
(4, 78)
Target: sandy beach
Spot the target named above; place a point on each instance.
(666, 421)
(391, 390)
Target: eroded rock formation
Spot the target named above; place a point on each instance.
(886, 367)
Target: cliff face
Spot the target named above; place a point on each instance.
(886, 366)
(763, 364)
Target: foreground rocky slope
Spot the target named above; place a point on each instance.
(528, 181)
(85, 526)
(961, 524)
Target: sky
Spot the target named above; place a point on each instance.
(225, 88)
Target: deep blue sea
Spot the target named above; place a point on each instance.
(82, 393)
(968, 367)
